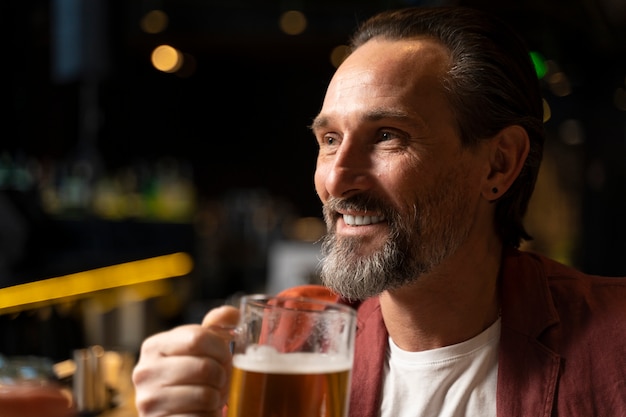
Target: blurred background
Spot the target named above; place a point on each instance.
(155, 159)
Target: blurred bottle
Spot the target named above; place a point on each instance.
(89, 386)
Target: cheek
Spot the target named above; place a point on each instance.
(404, 179)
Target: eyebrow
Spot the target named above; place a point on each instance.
(319, 122)
(371, 116)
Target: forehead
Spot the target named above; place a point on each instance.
(418, 53)
(384, 73)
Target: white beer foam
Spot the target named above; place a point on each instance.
(266, 359)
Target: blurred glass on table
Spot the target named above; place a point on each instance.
(29, 387)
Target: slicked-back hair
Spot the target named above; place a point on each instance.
(490, 84)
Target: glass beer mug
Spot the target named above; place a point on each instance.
(292, 356)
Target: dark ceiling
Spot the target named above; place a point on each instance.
(254, 89)
(240, 120)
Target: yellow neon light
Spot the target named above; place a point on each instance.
(129, 273)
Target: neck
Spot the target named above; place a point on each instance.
(445, 307)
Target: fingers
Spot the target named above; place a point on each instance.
(180, 400)
(185, 371)
(179, 383)
(191, 340)
(182, 370)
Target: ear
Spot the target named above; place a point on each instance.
(507, 153)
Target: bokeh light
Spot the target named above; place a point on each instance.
(167, 58)
(293, 22)
(338, 54)
(155, 21)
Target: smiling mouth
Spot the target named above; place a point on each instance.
(351, 220)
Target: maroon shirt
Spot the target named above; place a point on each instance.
(562, 345)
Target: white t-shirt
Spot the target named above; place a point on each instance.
(452, 381)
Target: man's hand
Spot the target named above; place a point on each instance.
(186, 371)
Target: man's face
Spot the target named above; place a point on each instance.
(400, 193)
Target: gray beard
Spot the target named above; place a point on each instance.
(356, 277)
(415, 245)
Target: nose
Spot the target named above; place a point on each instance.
(347, 171)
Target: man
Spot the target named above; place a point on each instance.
(430, 138)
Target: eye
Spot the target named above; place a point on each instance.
(327, 140)
(388, 135)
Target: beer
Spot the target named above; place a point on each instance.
(297, 384)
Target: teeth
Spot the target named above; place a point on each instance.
(351, 220)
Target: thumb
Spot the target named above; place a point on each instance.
(221, 321)
(225, 317)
